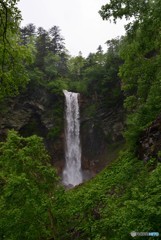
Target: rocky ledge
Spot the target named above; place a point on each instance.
(150, 142)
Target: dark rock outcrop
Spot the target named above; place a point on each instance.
(33, 113)
(149, 145)
(29, 105)
(101, 135)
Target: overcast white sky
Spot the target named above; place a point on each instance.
(79, 21)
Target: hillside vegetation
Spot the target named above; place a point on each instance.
(126, 195)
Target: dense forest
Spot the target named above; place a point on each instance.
(125, 196)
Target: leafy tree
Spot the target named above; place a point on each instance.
(94, 72)
(42, 46)
(51, 63)
(57, 47)
(140, 51)
(110, 86)
(9, 17)
(49, 52)
(119, 9)
(76, 66)
(56, 40)
(13, 57)
(29, 188)
(27, 33)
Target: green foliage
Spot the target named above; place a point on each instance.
(58, 113)
(58, 86)
(140, 72)
(75, 66)
(51, 54)
(125, 197)
(78, 86)
(29, 189)
(90, 110)
(51, 69)
(13, 74)
(119, 9)
(55, 132)
(111, 83)
(13, 57)
(97, 75)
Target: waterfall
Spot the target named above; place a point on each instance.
(72, 174)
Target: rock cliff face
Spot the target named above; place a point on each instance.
(149, 145)
(33, 113)
(36, 112)
(25, 109)
(101, 135)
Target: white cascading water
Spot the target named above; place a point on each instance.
(72, 174)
